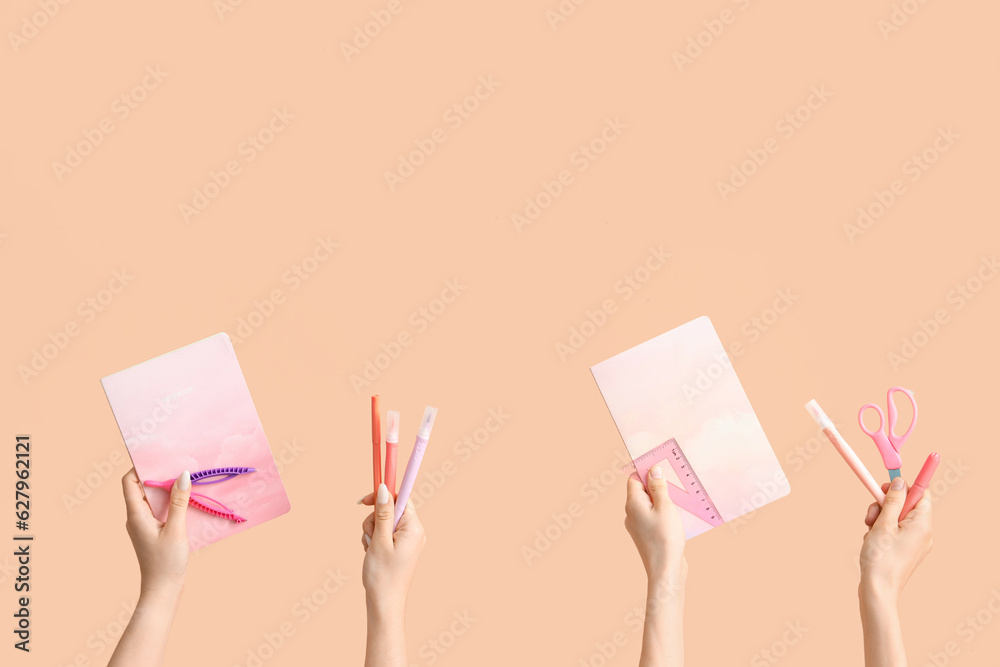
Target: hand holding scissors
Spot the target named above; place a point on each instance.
(885, 437)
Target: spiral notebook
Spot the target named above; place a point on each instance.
(677, 402)
(190, 409)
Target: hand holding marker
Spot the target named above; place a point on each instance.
(889, 445)
(391, 444)
(413, 465)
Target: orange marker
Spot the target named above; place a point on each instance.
(376, 442)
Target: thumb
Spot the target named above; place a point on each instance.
(180, 493)
(384, 516)
(656, 485)
(893, 505)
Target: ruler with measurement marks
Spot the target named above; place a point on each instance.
(692, 496)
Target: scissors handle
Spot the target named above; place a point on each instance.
(898, 440)
(874, 435)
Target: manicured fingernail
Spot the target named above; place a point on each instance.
(368, 540)
(383, 494)
(362, 498)
(655, 472)
(184, 481)
(897, 483)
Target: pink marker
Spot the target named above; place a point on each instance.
(920, 485)
(845, 450)
(413, 465)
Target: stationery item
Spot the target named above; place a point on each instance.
(413, 465)
(190, 409)
(376, 442)
(203, 502)
(695, 498)
(885, 437)
(845, 451)
(676, 398)
(391, 445)
(920, 485)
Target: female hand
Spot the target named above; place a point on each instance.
(160, 547)
(893, 549)
(656, 528)
(390, 557)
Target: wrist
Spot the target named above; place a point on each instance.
(385, 608)
(877, 595)
(159, 594)
(669, 584)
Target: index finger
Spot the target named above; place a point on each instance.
(636, 496)
(135, 502)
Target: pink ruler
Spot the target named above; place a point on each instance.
(692, 496)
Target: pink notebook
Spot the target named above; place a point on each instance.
(678, 403)
(190, 409)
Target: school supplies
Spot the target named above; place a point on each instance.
(920, 485)
(885, 437)
(676, 400)
(391, 448)
(190, 409)
(845, 451)
(376, 443)
(203, 502)
(413, 465)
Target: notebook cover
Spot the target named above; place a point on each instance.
(681, 387)
(190, 409)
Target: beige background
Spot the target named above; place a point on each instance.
(495, 345)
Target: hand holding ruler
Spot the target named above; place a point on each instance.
(692, 496)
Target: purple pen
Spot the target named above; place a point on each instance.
(413, 465)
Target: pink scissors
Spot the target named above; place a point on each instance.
(885, 437)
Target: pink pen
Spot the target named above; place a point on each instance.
(391, 443)
(920, 485)
(845, 450)
(413, 465)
